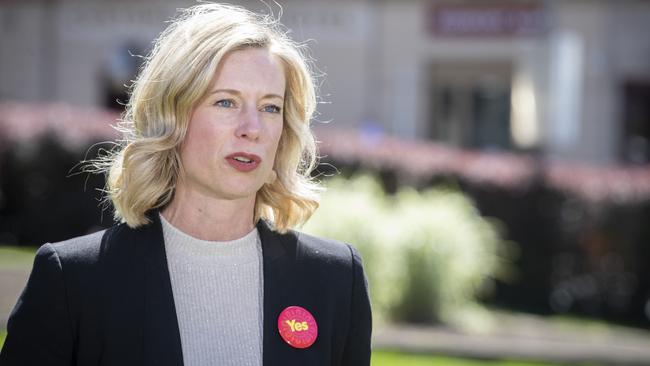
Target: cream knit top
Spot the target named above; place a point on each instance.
(218, 294)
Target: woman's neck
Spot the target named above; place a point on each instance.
(211, 219)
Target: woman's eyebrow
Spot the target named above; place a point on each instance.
(238, 93)
(267, 96)
(230, 91)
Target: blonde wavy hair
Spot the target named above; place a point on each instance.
(175, 77)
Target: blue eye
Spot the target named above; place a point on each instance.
(226, 103)
(272, 109)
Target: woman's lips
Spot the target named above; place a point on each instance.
(243, 162)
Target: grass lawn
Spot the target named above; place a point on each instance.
(384, 358)
(387, 358)
(12, 259)
(16, 257)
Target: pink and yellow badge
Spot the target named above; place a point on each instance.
(297, 327)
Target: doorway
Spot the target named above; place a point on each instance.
(469, 104)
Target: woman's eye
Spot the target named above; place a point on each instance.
(272, 109)
(226, 103)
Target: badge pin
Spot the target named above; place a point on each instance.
(297, 327)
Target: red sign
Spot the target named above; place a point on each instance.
(498, 19)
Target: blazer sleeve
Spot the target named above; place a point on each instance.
(39, 330)
(357, 350)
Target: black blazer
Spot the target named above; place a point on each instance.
(106, 299)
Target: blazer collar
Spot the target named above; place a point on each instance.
(274, 245)
(141, 327)
(162, 341)
(279, 253)
(158, 337)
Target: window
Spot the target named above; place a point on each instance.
(636, 119)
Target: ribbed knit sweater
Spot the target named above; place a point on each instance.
(218, 294)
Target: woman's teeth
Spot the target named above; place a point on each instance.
(242, 159)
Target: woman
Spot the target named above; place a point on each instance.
(204, 269)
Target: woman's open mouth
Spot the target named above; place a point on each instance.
(243, 162)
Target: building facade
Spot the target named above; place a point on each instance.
(567, 78)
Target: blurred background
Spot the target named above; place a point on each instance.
(490, 159)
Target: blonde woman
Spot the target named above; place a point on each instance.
(204, 268)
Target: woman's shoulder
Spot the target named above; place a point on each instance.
(80, 246)
(84, 250)
(326, 246)
(307, 248)
(80, 252)
(325, 250)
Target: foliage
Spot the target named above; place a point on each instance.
(43, 198)
(427, 255)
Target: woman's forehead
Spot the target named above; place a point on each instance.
(250, 69)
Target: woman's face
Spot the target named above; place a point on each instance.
(233, 134)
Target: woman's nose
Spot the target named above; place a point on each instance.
(249, 124)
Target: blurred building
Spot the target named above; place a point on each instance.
(569, 78)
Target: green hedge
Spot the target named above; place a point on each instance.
(428, 255)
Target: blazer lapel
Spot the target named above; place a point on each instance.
(144, 277)
(289, 281)
(141, 320)
(277, 251)
(162, 341)
(121, 297)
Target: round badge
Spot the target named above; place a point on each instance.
(297, 327)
